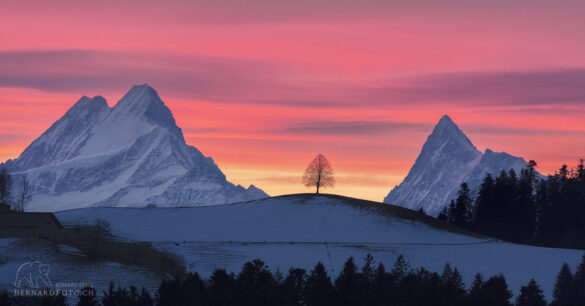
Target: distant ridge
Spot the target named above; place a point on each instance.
(132, 154)
(447, 159)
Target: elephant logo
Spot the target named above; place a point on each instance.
(32, 273)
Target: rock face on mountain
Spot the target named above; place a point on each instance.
(447, 159)
(133, 154)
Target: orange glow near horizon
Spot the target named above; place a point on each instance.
(263, 86)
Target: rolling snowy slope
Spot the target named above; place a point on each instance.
(299, 230)
(447, 159)
(133, 154)
(301, 218)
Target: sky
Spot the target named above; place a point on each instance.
(264, 86)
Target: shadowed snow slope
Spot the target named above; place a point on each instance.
(305, 218)
(133, 154)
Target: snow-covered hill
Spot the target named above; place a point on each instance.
(306, 218)
(447, 159)
(299, 230)
(133, 154)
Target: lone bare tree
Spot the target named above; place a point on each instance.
(319, 173)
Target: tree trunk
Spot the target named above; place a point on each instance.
(317, 189)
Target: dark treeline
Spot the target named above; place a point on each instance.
(525, 209)
(371, 284)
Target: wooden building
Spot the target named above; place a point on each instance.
(28, 224)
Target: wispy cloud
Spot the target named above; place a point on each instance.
(354, 127)
(229, 80)
(500, 87)
(483, 129)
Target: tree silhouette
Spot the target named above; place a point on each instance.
(319, 173)
(5, 187)
(495, 291)
(475, 293)
(563, 292)
(531, 295)
(24, 194)
(462, 213)
(349, 285)
(88, 297)
(580, 282)
(318, 288)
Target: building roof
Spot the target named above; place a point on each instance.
(27, 219)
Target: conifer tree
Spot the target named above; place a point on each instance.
(462, 214)
(144, 299)
(484, 209)
(475, 294)
(531, 295)
(524, 210)
(564, 293)
(255, 285)
(443, 214)
(495, 291)
(349, 285)
(451, 212)
(383, 287)
(401, 268)
(5, 298)
(318, 290)
(5, 187)
(452, 287)
(88, 297)
(168, 293)
(368, 276)
(580, 282)
(221, 287)
(293, 285)
(193, 290)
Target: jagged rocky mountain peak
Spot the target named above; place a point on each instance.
(142, 101)
(447, 132)
(447, 159)
(446, 121)
(133, 154)
(87, 104)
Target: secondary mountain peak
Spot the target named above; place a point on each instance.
(447, 159)
(87, 104)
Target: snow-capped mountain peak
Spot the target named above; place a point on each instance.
(446, 129)
(447, 159)
(87, 104)
(143, 100)
(133, 154)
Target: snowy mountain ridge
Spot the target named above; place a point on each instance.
(132, 154)
(447, 159)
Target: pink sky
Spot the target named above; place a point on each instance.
(263, 86)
